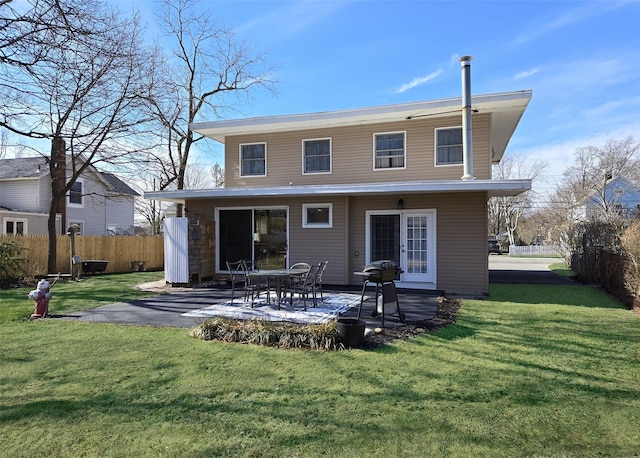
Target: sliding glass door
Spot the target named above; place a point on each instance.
(258, 234)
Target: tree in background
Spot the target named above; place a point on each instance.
(206, 69)
(594, 167)
(505, 212)
(74, 77)
(562, 220)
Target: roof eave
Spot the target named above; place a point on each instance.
(511, 104)
(494, 188)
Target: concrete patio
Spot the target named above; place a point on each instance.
(167, 307)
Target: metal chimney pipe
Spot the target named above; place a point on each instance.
(467, 148)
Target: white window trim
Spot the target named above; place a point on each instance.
(240, 159)
(83, 195)
(435, 148)
(25, 223)
(404, 133)
(307, 225)
(330, 156)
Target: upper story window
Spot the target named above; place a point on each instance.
(316, 155)
(449, 146)
(75, 193)
(253, 159)
(389, 150)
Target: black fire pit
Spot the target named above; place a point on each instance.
(382, 275)
(93, 266)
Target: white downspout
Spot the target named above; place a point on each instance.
(467, 148)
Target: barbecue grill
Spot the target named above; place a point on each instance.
(381, 274)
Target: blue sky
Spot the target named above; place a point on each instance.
(581, 59)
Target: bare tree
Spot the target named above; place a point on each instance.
(218, 175)
(207, 67)
(593, 169)
(85, 97)
(505, 212)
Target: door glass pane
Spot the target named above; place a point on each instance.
(385, 237)
(270, 239)
(416, 245)
(235, 236)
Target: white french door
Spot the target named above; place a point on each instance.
(416, 246)
(407, 237)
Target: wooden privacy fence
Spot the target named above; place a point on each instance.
(120, 251)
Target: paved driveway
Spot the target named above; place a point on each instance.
(505, 269)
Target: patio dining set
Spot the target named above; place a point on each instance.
(302, 278)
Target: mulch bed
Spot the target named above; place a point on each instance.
(447, 314)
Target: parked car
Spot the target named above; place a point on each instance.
(494, 247)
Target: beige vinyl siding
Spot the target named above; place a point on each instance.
(352, 154)
(312, 245)
(461, 233)
(462, 243)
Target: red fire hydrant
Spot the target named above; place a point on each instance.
(41, 296)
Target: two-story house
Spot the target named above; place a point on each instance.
(99, 202)
(354, 186)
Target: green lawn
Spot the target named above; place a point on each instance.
(535, 371)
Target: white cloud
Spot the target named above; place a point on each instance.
(290, 19)
(571, 17)
(419, 81)
(526, 73)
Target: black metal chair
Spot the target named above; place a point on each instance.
(254, 284)
(321, 269)
(236, 270)
(305, 285)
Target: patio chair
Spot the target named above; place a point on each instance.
(321, 269)
(254, 285)
(236, 270)
(305, 285)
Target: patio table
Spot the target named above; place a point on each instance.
(277, 275)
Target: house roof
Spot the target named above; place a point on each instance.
(506, 108)
(494, 188)
(38, 166)
(117, 185)
(23, 167)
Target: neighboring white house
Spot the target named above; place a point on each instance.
(99, 202)
(619, 198)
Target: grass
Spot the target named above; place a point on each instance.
(90, 292)
(561, 269)
(538, 370)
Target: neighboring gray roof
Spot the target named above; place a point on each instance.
(23, 167)
(506, 108)
(36, 167)
(494, 188)
(117, 185)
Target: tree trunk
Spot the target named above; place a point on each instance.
(57, 169)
